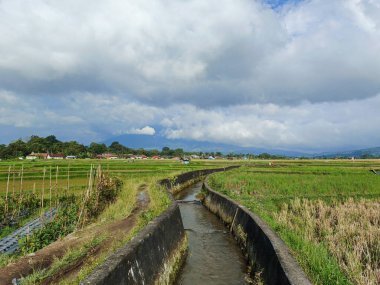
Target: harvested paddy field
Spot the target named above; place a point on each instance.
(101, 206)
(328, 213)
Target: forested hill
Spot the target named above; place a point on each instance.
(361, 153)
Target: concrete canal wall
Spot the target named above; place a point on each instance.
(179, 182)
(264, 249)
(151, 257)
(156, 254)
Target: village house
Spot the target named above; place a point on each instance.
(37, 156)
(107, 156)
(185, 160)
(55, 156)
(31, 156)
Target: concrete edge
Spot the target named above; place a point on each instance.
(258, 239)
(191, 175)
(135, 262)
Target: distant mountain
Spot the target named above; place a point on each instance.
(158, 141)
(368, 152)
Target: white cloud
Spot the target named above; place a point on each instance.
(214, 52)
(143, 131)
(306, 126)
(14, 111)
(226, 71)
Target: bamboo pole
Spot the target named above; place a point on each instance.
(15, 208)
(50, 187)
(91, 177)
(6, 194)
(98, 180)
(13, 185)
(56, 187)
(21, 184)
(43, 191)
(90, 182)
(22, 179)
(68, 179)
(86, 196)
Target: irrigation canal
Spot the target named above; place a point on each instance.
(214, 257)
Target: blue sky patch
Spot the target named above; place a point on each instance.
(278, 3)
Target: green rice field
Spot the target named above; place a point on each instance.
(327, 211)
(72, 175)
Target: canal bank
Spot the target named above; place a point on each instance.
(155, 255)
(214, 257)
(265, 250)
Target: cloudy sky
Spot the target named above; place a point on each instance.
(295, 75)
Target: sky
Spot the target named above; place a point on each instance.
(292, 75)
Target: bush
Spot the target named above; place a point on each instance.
(72, 212)
(107, 189)
(17, 207)
(63, 223)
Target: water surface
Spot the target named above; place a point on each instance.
(214, 256)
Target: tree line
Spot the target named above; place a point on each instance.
(50, 144)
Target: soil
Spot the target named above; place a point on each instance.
(45, 257)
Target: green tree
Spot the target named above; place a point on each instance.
(116, 147)
(16, 149)
(51, 140)
(74, 148)
(178, 152)
(37, 144)
(96, 148)
(3, 149)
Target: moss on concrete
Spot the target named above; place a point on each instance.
(179, 187)
(174, 264)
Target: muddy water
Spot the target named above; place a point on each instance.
(214, 257)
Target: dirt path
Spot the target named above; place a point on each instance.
(45, 257)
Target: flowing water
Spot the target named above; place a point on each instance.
(214, 256)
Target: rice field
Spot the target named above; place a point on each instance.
(72, 175)
(47, 180)
(28, 188)
(328, 212)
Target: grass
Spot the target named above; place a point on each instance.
(71, 256)
(6, 259)
(124, 204)
(78, 170)
(159, 201)
(326, 211)
(349, 230)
